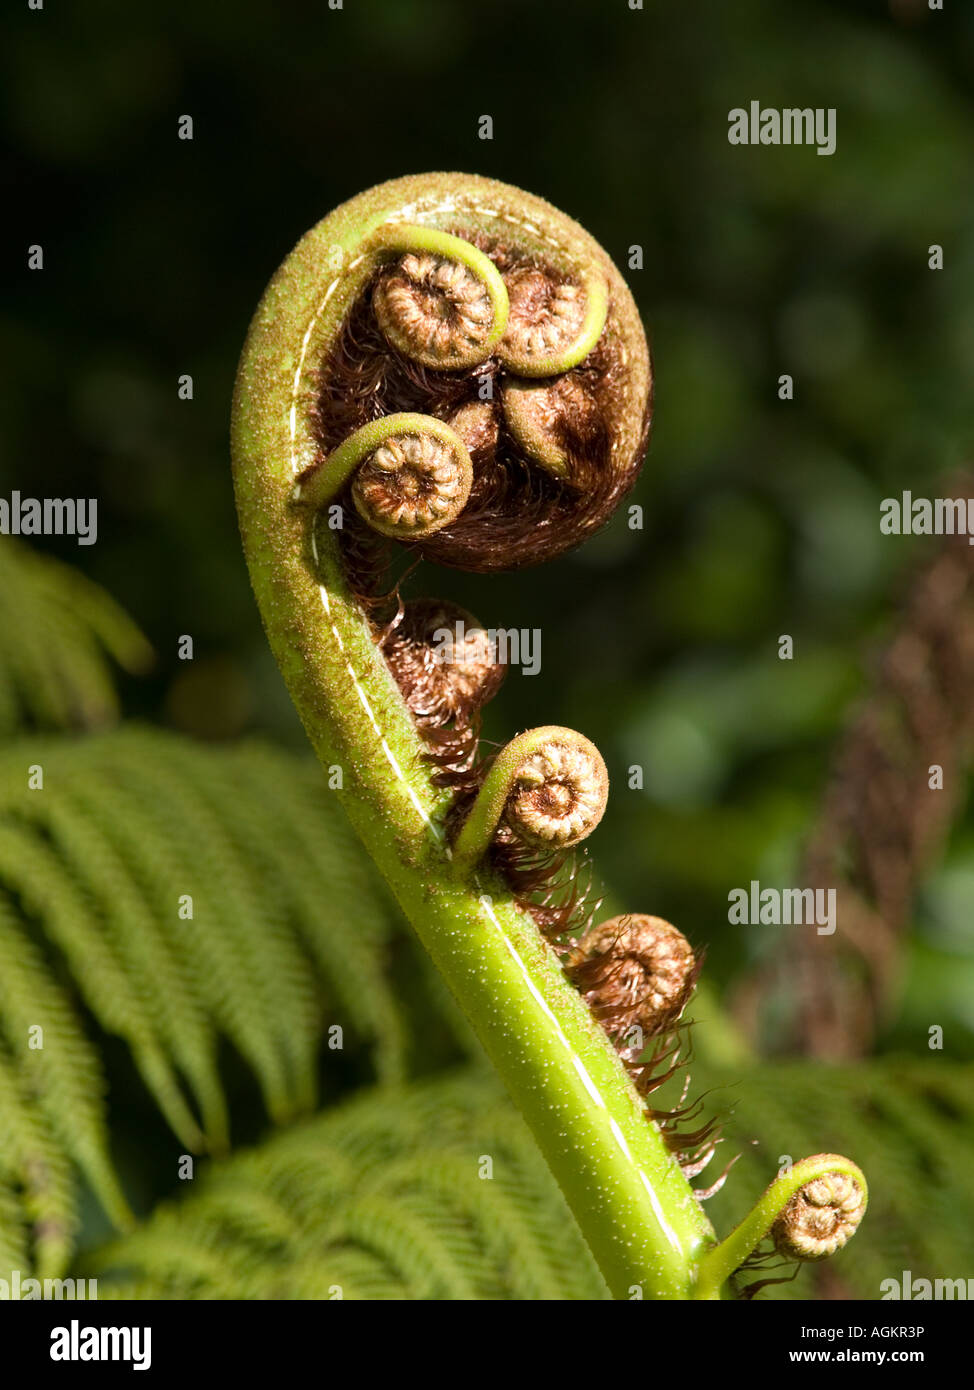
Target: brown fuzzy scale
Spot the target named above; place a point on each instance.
(445, 702)
(637, 971)
(548, 884)
(438, 691)
(517, 514)
(634, 971)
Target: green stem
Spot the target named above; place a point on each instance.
(631, 1200)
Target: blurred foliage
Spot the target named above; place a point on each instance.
(761, 516)
(385, 1197)
(55, 667)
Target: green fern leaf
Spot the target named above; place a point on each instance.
(288, 936)
(55, 659)
(383, 1197)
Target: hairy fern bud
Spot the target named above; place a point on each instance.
(444, 662)
(471, 301)
(634, 971)
(820, 1218)
(558, 794)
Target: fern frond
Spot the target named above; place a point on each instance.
(14, 1245)
(70, 921)
(287, 936)
(56, 652)
(230, 844)
(57, 1064)
(110, 854)
(39, 1206)
(379, 1198)
(350, 962)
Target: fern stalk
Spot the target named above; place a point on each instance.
(633, 1203)
(627, 1192)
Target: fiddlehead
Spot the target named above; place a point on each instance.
(409, 475)
(809, 1212)
(548, 788)
(516, 328)
(449, 364)
(821, 1216)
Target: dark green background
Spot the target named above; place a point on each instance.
(761, 516)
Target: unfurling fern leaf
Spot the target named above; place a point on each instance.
(912, 1125)
(55, 659)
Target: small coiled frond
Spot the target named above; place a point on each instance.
(911, 1128)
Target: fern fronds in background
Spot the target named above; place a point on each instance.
(384, 1197)
(389, 1196)
(287, 940)
(56, 658)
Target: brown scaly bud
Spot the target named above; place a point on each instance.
(558, 795)
(444, 662)
(634, 971)
(820, 1218)
(411, 486)
(477, 426)
(557, 424)
(435, 311)
(467, 281)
